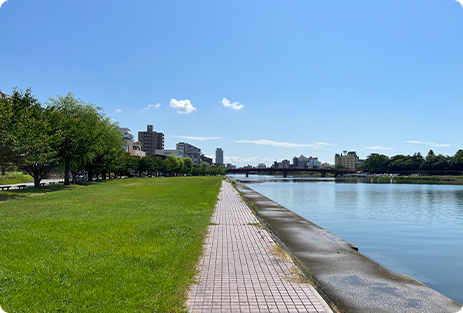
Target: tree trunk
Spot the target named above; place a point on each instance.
(66, 173)
(37, 180)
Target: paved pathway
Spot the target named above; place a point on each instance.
(31, 184)
(239, 273)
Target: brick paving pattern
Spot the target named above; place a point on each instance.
(239, 273)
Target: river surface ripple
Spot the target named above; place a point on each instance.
(413, 229)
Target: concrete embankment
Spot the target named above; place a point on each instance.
(345, 277)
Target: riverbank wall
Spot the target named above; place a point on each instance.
(347, 279)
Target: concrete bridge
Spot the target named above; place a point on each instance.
(286, 170)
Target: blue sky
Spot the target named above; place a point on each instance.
(298, 77)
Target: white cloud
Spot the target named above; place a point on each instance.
(237, 160)
(263, 142)
(197, 138)
(118, 110)
(235, 105)
(432, 144)
(152, 106)
(379, 148)
(182, 106)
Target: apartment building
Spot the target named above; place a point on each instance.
(151, 140)
(190, 151)
(348, 159)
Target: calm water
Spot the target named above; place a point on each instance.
(413, 229)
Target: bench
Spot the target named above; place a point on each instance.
(7, 187)
(51, 183)
(21, 186)
(42, 184)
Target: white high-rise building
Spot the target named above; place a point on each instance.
(219, 156)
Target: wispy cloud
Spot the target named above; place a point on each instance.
(237, 160)
(152, 106)
(378, 148)
(118, 110)
(197, 138)
(182, 106)
(432, 144)
(264, 142)
(235, 105)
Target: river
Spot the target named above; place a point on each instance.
(413, 229)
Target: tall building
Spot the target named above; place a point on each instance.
(348, 159)
(190, 151)
(219, 156)
(151, 140)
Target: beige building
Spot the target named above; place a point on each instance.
(348, 159)
(134, 148)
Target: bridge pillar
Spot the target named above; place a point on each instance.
(323, 174)
(247, 174)
(285, 174)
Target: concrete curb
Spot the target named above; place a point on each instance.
(345, 277)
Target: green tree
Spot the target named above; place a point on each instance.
(78, 128)
(457, 161)
(187, 165)
(28, 138)
(204, 168)
(375, 163)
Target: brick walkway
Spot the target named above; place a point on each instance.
(239, 273)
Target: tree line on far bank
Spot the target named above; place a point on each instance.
(69, 135)
(380, 163)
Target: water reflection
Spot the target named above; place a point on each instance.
(413, 229)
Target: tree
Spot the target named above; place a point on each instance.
(108, 152)
(375, 163)
(204, 167)
(187, 165)
(457, 161)
(28, 137)
(78, 128)
(174, 164)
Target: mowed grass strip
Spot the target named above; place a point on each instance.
(128, 245)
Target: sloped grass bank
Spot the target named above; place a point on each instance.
(126, 245)
(15, 178)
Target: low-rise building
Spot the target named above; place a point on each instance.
(206, 159)
(165, 153)
(282, 164)
(134, 148)
(303, 162)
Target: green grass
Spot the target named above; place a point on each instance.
(15, 178)
(127, 245)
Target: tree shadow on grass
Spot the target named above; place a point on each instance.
(30, 192)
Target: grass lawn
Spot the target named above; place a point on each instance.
(126, 245)
(15, 178)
